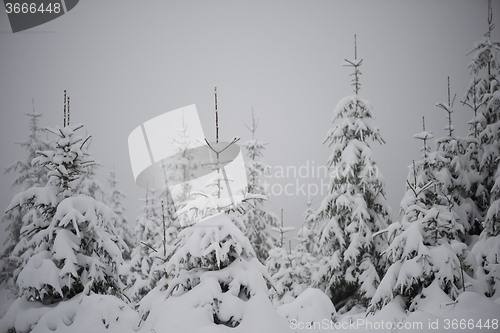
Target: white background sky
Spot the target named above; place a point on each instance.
(124, 62)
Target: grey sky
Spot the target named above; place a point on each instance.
(124, 62)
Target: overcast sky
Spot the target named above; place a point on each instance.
(124, 62)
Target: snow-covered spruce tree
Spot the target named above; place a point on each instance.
(474, 193)
(172, 199)
(486, 67)
(27, 176)
(308, 234)
(170, 226)
(214, 278)
(487, 249)
(184, 166)
(487, 57)
(425, 246)
(114, 200)
(256, 218)
(156, 232)
(452, 173)
(148, 232)
(472, 156)
(482, 149)
(212, 275)
(181, 170)
(159, 225)
(355, 208)
(291, 270)
(74, 246)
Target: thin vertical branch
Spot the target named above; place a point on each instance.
(164, 229)
(281, 229)
(68, 112)
(64, 108)
(216, 117)
(475, 108)
(356, 64)
(450, 130)
(462, 271)
(490, 28)
(449, 110)
(490, 15)
(425, 137)
(355, 48)
(254, 125)
(414, 177)
(217, 141)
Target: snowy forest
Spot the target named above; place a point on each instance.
(75, 260)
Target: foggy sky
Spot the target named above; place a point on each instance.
(124, 62)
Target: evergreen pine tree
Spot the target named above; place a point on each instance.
(73, 247)
(452, 173)
(143, 275)
(355, 209)
(183, 168)
(211, 272)
(292, 271)
(486, 66)
(114, 201)
(482, 97)
(214, 266)
(27, 176)
(487, 249)
(308, 234)
(256, 218)
(425, 246)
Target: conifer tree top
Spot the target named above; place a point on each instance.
(356, 64)
(485, 55)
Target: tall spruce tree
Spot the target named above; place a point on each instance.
(148, 231)
(355, 208)
(114, 200)
(425, 246)
(487, 249)
(452, 173)
(28, 176)
(256, 218)
(293, 271)
(212, 272)
(73, 246)
(486, 67)
(308, 235)
(482, 97)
